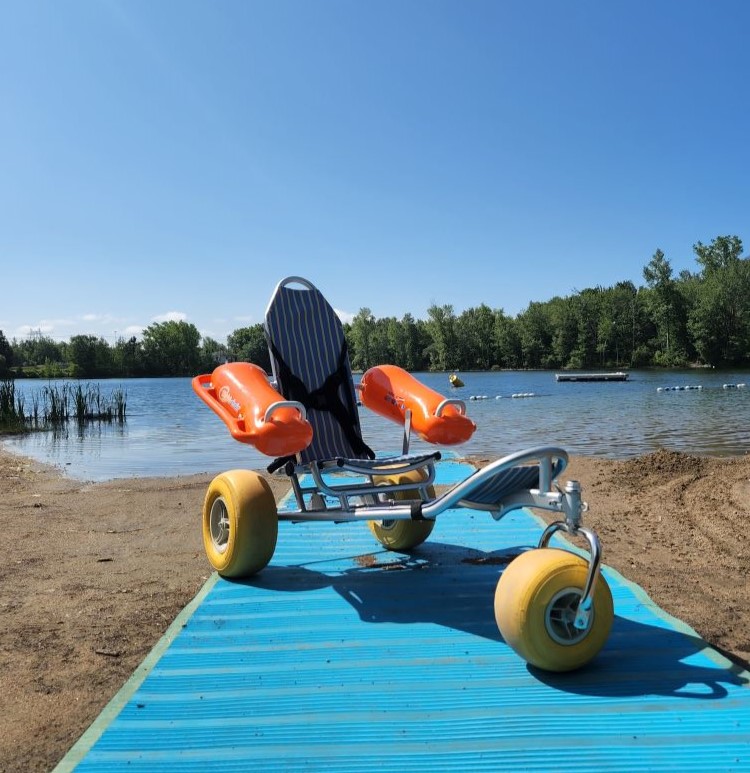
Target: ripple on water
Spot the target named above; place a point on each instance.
(170, 432)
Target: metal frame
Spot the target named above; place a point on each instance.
(361, 499)
(364, 500)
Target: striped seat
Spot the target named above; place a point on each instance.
(505, 483)
(307, 346)
(310, 363)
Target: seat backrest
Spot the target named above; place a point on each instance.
(310, 363)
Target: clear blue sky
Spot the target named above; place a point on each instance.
(174, 159)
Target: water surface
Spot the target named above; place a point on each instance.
(169, 431)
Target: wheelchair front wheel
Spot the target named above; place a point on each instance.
(535, 604)
(240, 523)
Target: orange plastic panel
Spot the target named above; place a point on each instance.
(390, 391)
(239, 393)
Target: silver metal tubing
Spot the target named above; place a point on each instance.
(451, 401)
(407, 432)
(463, 490)
(347, 490)
(583, 613)
(574, 506)
(398, 510)
(287, 281)
(285, 404)
(387, 467)
(545, 474)
(298, 493)
(383, 511)
(393, 510)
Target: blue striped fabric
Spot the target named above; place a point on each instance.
(507, 482)
(309, 336)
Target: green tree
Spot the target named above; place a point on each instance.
(127, 357)
(380, 343)
(723, 252)
(564, 323)
(213, 353)
(590, 347)
(361, 335)
(172, 348)
(475, 339)
(248, 344)
(720, 318)
(535, 335)
(38, 349)
(412, 346)
(89, 356)
(396, 339)
(620, 309)
(441, 326)
(6, 354)
(667, 310)
(506, 340)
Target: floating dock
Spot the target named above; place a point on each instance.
(343, 657)
(618, 376)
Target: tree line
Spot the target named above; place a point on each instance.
(700, 317)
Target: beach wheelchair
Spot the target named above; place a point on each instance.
(552, 606)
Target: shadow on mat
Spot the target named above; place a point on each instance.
(453, 586)
(447, 585)
(641, 659)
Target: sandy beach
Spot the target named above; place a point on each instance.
(93, 574)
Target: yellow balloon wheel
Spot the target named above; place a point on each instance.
(402, 535)
(535, 604)
(240, 523)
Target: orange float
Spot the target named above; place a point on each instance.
(390, 391)
(254, 412)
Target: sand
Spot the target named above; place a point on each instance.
(93, 574)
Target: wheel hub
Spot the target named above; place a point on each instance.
(219, 524)
(560, 615)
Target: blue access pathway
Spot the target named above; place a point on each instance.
(342, 657)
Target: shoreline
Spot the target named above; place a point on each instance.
(96, 572)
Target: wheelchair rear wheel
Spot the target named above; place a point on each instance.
(402, 535)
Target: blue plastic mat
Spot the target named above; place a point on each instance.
(343, 657)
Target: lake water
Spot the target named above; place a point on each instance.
(169, 431)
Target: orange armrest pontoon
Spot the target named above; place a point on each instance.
(390, 391)
(254, 412)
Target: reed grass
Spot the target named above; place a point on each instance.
(57, 404)
(11, 409)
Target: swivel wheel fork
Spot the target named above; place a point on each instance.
(573, 507)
